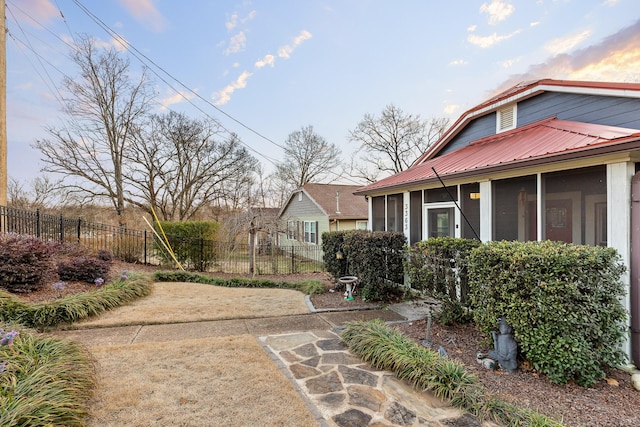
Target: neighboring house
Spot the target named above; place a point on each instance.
(315, 208)
(546, 159)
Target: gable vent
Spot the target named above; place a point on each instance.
(506, 119)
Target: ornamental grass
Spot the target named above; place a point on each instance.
(74, 307)
(45, 381)
(387, 349)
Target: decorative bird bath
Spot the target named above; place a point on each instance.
(350, 283)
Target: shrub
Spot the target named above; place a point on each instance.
(376, 258)
(83, 269)
(105, 255)
(332, 242)
(191, 242)
(24, 262)
(562, 300)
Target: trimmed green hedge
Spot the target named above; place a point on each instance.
(75, 307)
(308, 287)
(46, 381)
(563, 301)
(387, 349)
(191, 242)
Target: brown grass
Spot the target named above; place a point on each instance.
(192, 302)
(204, 382)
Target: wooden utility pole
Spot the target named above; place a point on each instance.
(3, 107)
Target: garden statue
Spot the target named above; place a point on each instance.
(505, 348)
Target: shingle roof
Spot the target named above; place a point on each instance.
(337, 201)
(543, 141)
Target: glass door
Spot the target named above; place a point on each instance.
(441, 222)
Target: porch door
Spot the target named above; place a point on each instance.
(558, 220)
(441, 222)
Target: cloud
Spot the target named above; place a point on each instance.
(565, 44)
(233, 21)
(510, 62)
(224, 96)
(472, 28)
(286, 51)
(534, 24)
(267, 60)
(145, 12)
(236, 43)
(458, 62)
(497, 10)
(176, 98)
(616, 58)
(488, 41)
(450, 108)
(40, 11)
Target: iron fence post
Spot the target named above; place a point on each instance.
(38, 223)
(61, 229)
(145, 247)
(78, 228)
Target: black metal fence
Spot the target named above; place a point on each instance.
(142, 246)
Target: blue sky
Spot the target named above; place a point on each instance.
(275, 66)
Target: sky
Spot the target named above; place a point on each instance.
(266, 68)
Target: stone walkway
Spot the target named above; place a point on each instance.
(341, 390)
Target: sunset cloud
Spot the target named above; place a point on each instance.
(616, 58)
(145, 12)
(565, 44)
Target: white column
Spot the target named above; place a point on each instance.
(370, 213)
(486, 213)
(406, 214)
(619, 221)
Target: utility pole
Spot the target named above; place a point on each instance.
(3, 106)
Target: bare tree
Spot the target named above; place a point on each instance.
(308, 157)
(43, 193)
(392, 142)
(103, 106)
(178, 165)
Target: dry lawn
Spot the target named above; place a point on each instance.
(173, 302)
(227, 381)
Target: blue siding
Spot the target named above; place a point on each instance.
(602, 110)
(478, 128)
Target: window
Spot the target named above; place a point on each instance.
(361, 225)
(506, 119)
(292, 230)
(311, 232)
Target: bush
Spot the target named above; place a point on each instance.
(24, 262)
(332, 242)
(191, 242)
(563, 302)
(376, 258)
(83, 269)
(105, 255)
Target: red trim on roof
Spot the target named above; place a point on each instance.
(545, 139)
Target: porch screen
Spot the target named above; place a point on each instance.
(514, 209)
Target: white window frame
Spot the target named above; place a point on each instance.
(311, 232)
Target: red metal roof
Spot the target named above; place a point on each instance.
(545, 139)
(524, 90)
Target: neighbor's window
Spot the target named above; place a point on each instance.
(311, 232)
(292, 230)
(361, 225)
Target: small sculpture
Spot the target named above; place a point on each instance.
(505, 349)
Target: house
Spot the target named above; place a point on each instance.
(315, 208)
(546, 159)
